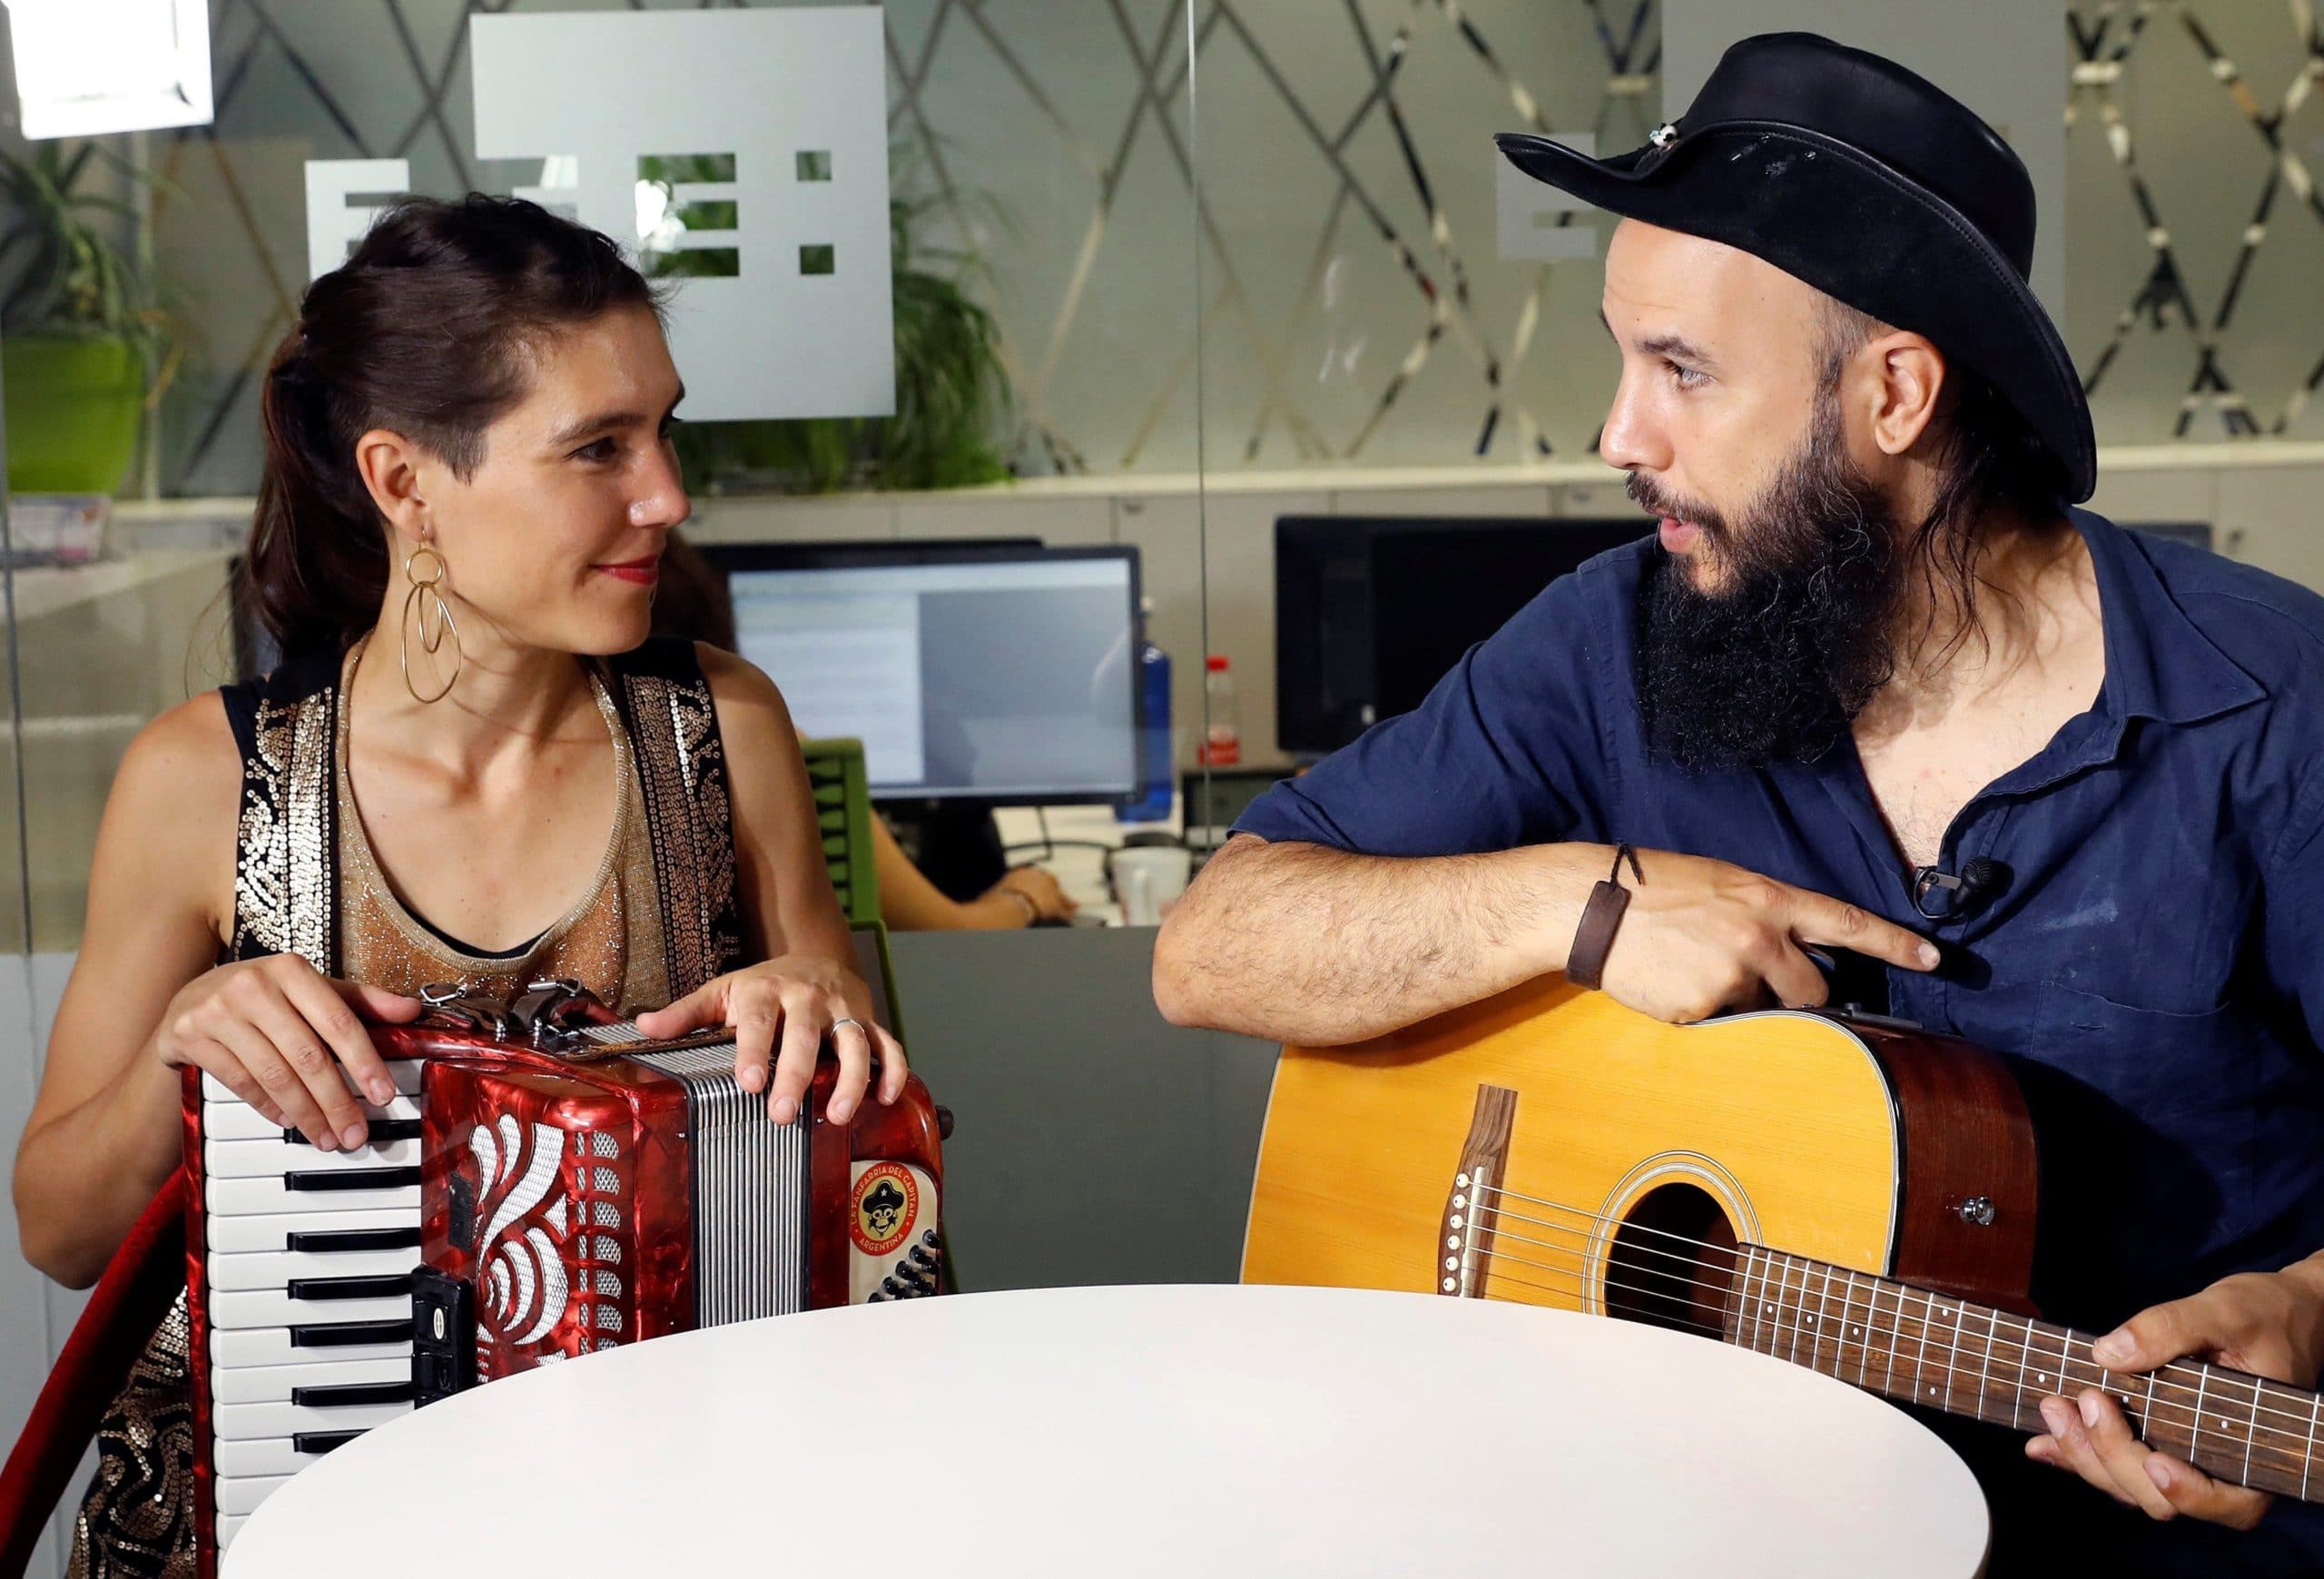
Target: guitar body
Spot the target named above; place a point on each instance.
(1626, 1141)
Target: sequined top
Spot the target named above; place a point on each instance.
(610, 941)
(657, 920)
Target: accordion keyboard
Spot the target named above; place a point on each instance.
(307, 1274)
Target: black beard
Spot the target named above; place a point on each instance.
(1776, 665)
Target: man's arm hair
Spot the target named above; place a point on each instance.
(1304, 944)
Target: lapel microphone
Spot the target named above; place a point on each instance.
(1940, 895)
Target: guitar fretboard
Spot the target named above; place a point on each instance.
(1917, 1346)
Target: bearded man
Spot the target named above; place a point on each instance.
(1876, 686)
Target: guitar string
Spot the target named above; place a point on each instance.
(2207, 1373)
(2207, 1376)
(2253, 1396)
(2258, 1455)
(1823, 1343)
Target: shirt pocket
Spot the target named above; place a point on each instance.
(2143, 1116)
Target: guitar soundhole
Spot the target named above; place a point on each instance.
(1672, 1261)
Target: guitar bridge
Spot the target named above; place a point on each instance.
(1472, 1204)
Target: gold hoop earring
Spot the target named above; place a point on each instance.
(416, 611)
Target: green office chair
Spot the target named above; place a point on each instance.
(844, 817)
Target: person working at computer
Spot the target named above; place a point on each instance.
(691, 602)
(1873, 640)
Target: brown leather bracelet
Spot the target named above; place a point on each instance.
(1593, 940)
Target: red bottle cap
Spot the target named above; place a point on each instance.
(1215, 663)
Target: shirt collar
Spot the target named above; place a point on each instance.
(2159, 664)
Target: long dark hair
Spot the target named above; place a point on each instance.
(422, 331)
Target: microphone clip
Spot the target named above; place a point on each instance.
(1940, 895)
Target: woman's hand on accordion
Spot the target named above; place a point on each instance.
(793, 1002)
(287, 1039)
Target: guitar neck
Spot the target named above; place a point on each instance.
(1917, 1346)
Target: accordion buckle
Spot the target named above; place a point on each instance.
(449, 1007)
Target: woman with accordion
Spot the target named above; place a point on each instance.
(473, 767)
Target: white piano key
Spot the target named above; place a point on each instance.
(241, 1494)
(261, 1158)
(260, 1197)
(273, 1308)
(229, 1526)
(234, 1235)
(240, 1121)
(274, 1384)
(257, 1422)
(231, 1273)
(260, 1455)
(405, 1072)
(271, 1346)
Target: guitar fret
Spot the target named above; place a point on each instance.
(1839, 1334)
(1821, 1322)
(1952, 1359)
(2025, 1357)
(1771, 1302)
(1756, 1281)
(1783, 1294)
(2194, 1441)
(1863, 1335)
(2252, 1431)
(2315, 1406)
(1928, 1317)
(1896, 1334)
(1985, 1370)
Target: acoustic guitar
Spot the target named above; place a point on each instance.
(1848, 1194)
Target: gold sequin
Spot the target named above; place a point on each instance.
(682, 768)
(282, 880)
(136, 1520)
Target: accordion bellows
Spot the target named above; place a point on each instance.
(562, 1183)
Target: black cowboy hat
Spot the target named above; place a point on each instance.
(1855, 175)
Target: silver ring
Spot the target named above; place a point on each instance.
(851, 1020)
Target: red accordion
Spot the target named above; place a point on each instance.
(564, 1185)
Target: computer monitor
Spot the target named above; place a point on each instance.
(1371, 611)
(998, 672)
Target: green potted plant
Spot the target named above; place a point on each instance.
(951, 391)
(85, 344)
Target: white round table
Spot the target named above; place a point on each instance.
(1211, 1431)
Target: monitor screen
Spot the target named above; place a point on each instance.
(983, 672)
(1372, 611)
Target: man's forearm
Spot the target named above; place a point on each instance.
(1298, 943)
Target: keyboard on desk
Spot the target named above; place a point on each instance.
(300, 1293)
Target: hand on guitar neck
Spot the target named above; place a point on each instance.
(1297, 942)
(2269, 1324)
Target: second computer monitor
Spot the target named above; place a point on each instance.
(1000, 672)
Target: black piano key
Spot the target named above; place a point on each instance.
(355, 1239)
(383, 1287)
(382, 1129)
(340, 1179)
(351, 1394)
(319, 1442)
(347, 1334)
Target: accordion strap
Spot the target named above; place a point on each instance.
(286, 832)
(665, 701)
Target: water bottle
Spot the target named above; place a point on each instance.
(1222, 744)
(1158, 769)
